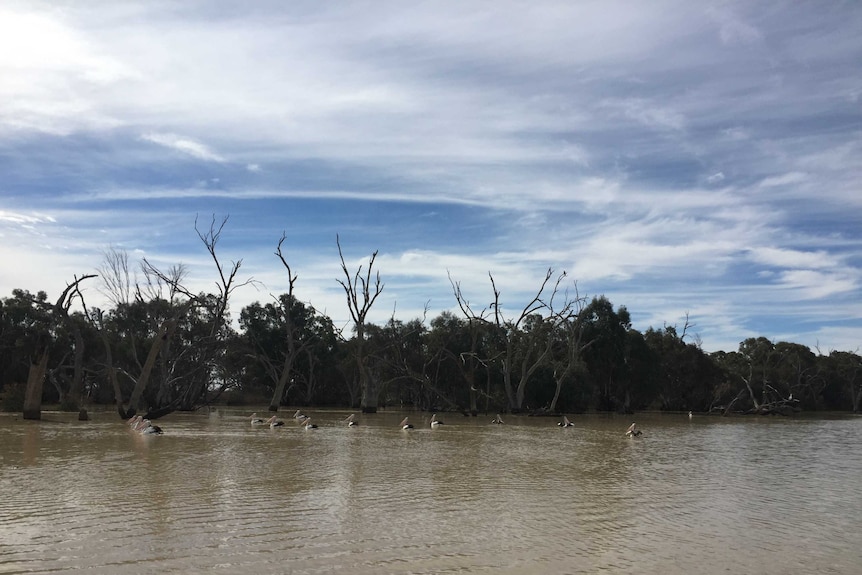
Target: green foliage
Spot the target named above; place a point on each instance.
(449, 363)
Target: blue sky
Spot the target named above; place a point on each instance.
(699, 158)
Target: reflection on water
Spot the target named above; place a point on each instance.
(216, 495)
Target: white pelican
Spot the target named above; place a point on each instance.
(498, 420)
(308, 425)
(434, 421)
(274, 422)
(147, 428)
(351, 420)
(299, 416)
(565, 422)
(633, 430)
(405, 424)
(255, 420)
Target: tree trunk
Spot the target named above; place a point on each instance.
(286, 372)
(165, 332)
(33, 393)
(370, 394)
(553, 407)
(507, 384)
(75, 395)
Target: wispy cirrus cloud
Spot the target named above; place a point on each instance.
(183, 145)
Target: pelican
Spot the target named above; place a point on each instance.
(299, 416)
(135, 421)
(274, 422)
(690, 415)
(498, 420)
(565, 422)
(147, 428)
(255, 420)
(405, 424)
(633, 430)
(307, 424)
(351, 420)
(434, 421)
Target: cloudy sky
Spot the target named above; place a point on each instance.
(699, 158)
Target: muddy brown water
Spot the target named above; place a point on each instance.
(214, 494)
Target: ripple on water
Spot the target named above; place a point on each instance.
(526, 497)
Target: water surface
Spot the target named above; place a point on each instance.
(217, 495)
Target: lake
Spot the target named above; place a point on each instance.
(214, 494)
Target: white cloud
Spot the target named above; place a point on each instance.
(184, 145)
(813, 284)
(783, 180)
(789, 258)
(659, 152)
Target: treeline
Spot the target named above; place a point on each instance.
(161, 348)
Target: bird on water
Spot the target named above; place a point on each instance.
(274, 422)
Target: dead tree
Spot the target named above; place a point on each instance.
(523, 352)
(295, 344)
(477, 321)
(183, 301)
(361, 291)
(569, 323)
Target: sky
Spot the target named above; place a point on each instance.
(698, 160)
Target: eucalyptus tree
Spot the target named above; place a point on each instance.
(606, 357)
(361, 289)
(526, 337)
(568, 345)
(843, 373)
(53, 331)
(203, 378)
(687, 376)
(393, 357)
(770, 374)
(797, 380)
(136, 332)
(26, 329)
(459, 348)
(477, 356)
(292, 320)
(184, 336)
(410, 365)
(289, 352)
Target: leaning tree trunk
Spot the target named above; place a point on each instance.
(286, 373)
(559, 386)
(33, 393)
(165, 332)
